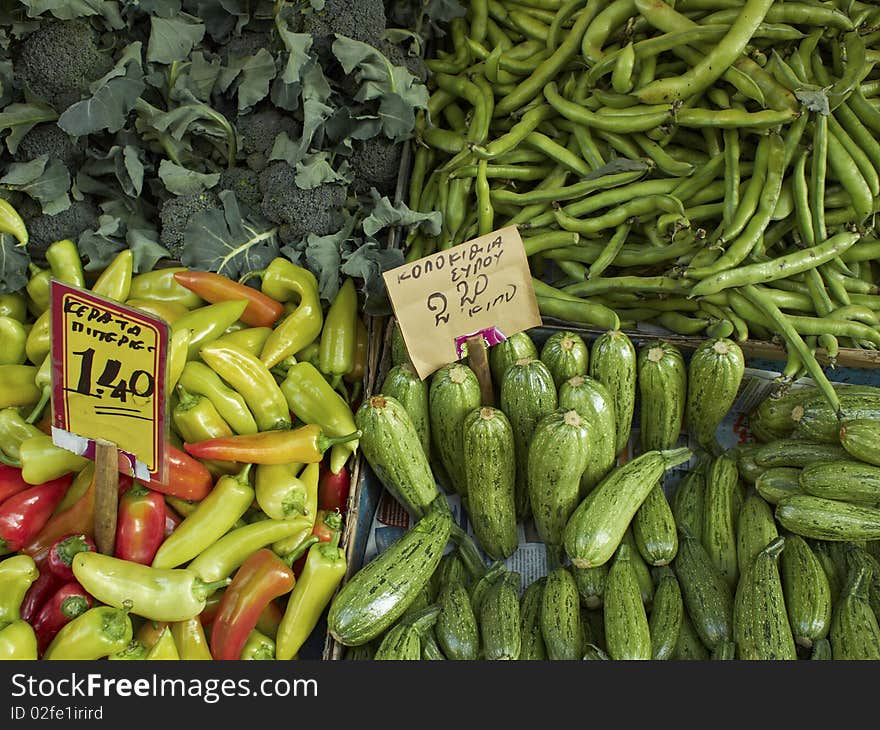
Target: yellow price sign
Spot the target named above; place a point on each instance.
(108, 379)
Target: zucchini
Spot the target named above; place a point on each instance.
(490, 471)
(430, 649)
(404, 385)
(399, 353)
(390, 444)
(760, 622)
(860, 437)
(688, 500)
(714, 376)
(557, 458)
(725, 651)
(381, 591)
(454, 392)
(456, 629)
(856, 556)
(746, 465)
(771, 419)
(504, 354)
(591, 584)
(828, 519)
(565, 354)
(613, 363)
(642, 571)
(594, 653)
(821, 549)
(403, 642)
(530, 604)
(596, 527)
(779, 482)
(688, 646)
(662, 379)
(667, 610)
(595, 619)
(481, 587)
(362, 653)
(528, 394)
(846, 480)
(821, 651)
(654, 529)
(450, 571)
(593, 401)
(816, 420)
(500, 620)
(796, 453)
(754, 530)
(561, 616)
(854, 631)
(707, 596)
(627, 633)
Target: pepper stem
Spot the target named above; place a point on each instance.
(201, 590)
(8, 460)
(35, 414)
(299, 550)
(244, 474)
(251, 274)
(325, 442)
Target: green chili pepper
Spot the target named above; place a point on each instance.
(11, 222)
(38, 289)
(258, 647)
(95, 634)
(13, 337)
(170, 312)
(39, 342)
(42, 460)
(115, 281)
(212, 518)
(250, 339)
(43, 381)
(338, 337)
(14, 430)
(190, 640)
(310, 476)
(135, 650)
(65, 263)
(164, 648)
(17, 386)
(198, 378)
(14, 305)
(279, 491)
(16, 575)
(208, 323)
(196, 418)
(18, 641)
(161, 285)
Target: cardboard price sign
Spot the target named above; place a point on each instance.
(480, 287)
(108, 379)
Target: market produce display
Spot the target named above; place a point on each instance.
(235, 554)
(707, 166)
(766, 549)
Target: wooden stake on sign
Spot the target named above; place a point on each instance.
(478, 360)
(106, 495)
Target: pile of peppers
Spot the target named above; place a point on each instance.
(236, 553)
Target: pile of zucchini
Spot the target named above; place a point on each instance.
(768, 550)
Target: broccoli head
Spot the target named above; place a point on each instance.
(59, 60)
(258, 130)
(175, 214)
(45, 229)
(244, 182)
(52, 140)
(243, 46)
(318, 210)
(376, 163)
(363, 20)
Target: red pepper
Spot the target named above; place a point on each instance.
(187, 478)
(303, 445)
(79, 517)
(262, 578)
(11, 482)
(37, 595)
(23, 516)
(333, 490)
(66, 604)
(172, 520)
(61, 554)
(140, 528)
(261, 310)
(327, 526)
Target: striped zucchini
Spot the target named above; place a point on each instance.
(688, 500)
(860, 437)
(451, 570)
(490, 469)
(642, 571)
(594, 653)
(760, 621)
(707, 596)
(516, 347)
(654, 529)
(779, 482)
(528, 394)
(821, 651)
(667, 610)
(807, 592)
(796, 453)
(430, 648)
(828, 519)
(596, 621)
(662, 379)
(561, 616)
(391, 446)
(557, 457)
(596, 527)
(404, 385)
(481, 587)
(821, 549)
(613, 363)
(380, 592)
(846, 480)
(565, 354)
(456, 629)
(362, 653)
(593, 401)
(749, 470)
(586, 629)
(754, 530)
(719, 521)
(818, 421)
(854, 630)
(399, 353)
(627, 633)
(401, 643)
(714, 376)
(724, 652)
(688, 646)
(771, 419)
(856, 556)
(500, 620)
(530, 604)
(454, 392)
(591, 584)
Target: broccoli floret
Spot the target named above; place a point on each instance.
(318, 210)
(399, 57)
(363, 20)
(45, 229)
(244, 45)
(59, 60)
(245, 183)
(175, 214)
(52, 140)
(376, 163)
(257, 132)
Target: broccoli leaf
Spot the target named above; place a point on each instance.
(386, 215)
(814, 99)
(256, 75)
(21, 119)
(323, 257)
(198, 78)
(162, 8)
(221, 17)
(44, 181)
(14, 262)
(224, 242)
(172, 39)
(287, 86)
(315, 170)
(368, 262)
(70, 9)
(344, 126)
(145, 248)
(193, 118)
(180, 181)
(112, 236)
(122, 162)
